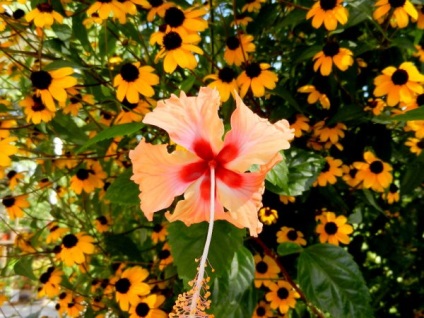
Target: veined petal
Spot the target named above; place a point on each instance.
(191, 122)
(158, 175)
(252, 140)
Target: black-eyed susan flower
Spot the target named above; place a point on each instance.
(177, 49)
(14, 178)
(349, 176)
(300, 125)
(7, 150)
(89, 178)
(329, 12)
(282, 296)
(130, 287)
(55, 232)
(14, 205)
(52, 84)
(23, 242)
(329, 173)
(134, 112)
(237, 48)
(329, 133)
(286, 199)
(419, 52)
(288, 234)
(159, 233)
(43, 15)
(399, 16)
(75, 306)
(110, 8)
(165, 257)
(50, 281)
(420, 19)
(415, 103)
(35, 110)
(268, 216)
(133, 80)
(63, 300)
(375, 105)
(332, 229)
(241, 19)
(148, 307)
(93, 19)
(373, 173)
(417, 126)
(392, 195)
(266, 270)
(415, 145)
(190, 20)
(156, 7)
(252, 5)
(76, 101)
(257, 77)
(75, 247)
(225, 82)
(102, 223)
(262, 310)
(316, 94)
(400, 84)
(331, 54)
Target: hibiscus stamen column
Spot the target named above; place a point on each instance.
(198, 286)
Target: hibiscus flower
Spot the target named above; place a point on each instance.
(193, 124)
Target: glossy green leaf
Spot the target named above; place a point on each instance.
(23, 267)
(187, 245)
(288, 248)
(413, 177)
(332, 281)
(414, 114)
(303, 168)
(233, 294)
(123, 190)
(122, 245)
(112, 132)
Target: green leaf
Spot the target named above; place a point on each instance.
(68, 129)
(332, 281)
(413, 176)
(303, 169)
(288, 248)
(63, 32)
(123, 190)
(370, 198)
(414, 114)
(80, 31)
(278, 175)
(111, 132)
(122, 245)
(187, 245)
(233, 294)
(23, 267)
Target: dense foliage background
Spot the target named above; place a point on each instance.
(65, 171)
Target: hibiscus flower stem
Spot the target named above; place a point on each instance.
(198, 286)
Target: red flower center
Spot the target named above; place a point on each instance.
(195, 170)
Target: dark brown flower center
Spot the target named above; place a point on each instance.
(282, 293)
(172, 40)
(75, 99)
(11, 174)
(164, 254)
(420, 100)
(18, 14)
(232, 42)
(38, 104)
(260, 311)
(129, 72)
(157, 228)
(327, 4)
(372, 104)
(420, 144)
(127, 105)
(253, 70)
(326, 167)
(174, 17)
(330, 228)
(8, 201)
(262, 267)
(400, 77)
(45, 7)
(102, 220)
(352, 172)
(292, 235)
(393, 188)
(83, 174)
(123, 285)
(142, 309)
(396, 3)
(53, 228)
(69, 240)
(376, 167)
(227, 75)
(44, 278)
(41, 79)
(331, 49)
